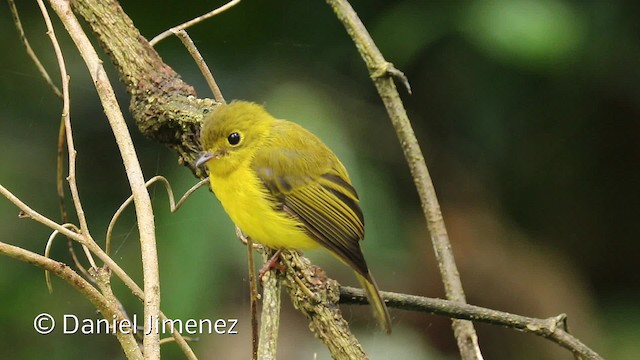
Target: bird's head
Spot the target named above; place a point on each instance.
(231, 134)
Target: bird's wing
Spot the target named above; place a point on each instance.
(309, 182)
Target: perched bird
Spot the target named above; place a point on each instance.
(283, 187)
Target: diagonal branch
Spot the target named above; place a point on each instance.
(382, 73)
(29, 50)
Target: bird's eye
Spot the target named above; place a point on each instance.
(233, 138)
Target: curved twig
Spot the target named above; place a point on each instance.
(66, 119)
(173, 206)
(47, 251)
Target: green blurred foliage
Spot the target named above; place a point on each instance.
(527, 112)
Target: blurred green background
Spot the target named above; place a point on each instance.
(528, 116)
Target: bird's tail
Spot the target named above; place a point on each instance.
(379, 308)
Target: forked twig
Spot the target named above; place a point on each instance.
(165, 34)
(173, 206)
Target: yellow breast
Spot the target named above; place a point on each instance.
(248, 204)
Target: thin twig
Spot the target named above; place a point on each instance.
(62, 134)
(66, 119)
(553, 328)
(165, 34)
(30, 52)
(47, 251)
(170, 339)
(253, 293)
(61, 137)
(142, 201)
(202, 65)
(382, 77)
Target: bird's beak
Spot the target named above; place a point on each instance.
(206, 156)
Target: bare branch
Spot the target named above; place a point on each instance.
(553, 328)
(28, 212)
(253, 293)
(382, 77)
(164, 107)
(71, 178)
(197, 57)
(30, 52)
(66, 120)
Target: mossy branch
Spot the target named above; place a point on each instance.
(164, 107)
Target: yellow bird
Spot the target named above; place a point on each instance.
(283, 187)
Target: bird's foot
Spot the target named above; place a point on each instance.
(272, 263)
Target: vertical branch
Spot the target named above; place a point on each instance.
(270, 315)
(382, 73)
(253, 290)
(142, 201)
(65, 125)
